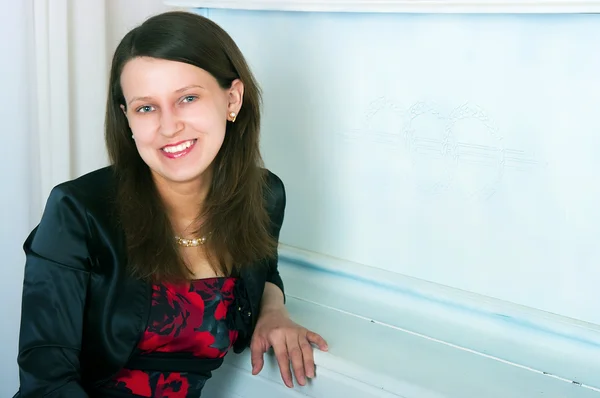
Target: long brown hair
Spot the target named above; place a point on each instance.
(234, 211)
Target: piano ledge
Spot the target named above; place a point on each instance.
(394, 336)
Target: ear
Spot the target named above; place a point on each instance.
(235, 97)
(123, 109)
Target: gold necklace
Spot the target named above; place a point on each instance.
(191, 242)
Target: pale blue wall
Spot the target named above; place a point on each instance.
(462, 149)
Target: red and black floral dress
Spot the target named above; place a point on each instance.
(190, 329)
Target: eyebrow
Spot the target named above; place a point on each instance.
(180, 90)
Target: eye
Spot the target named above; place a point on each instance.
(189, 98)
(144, 109)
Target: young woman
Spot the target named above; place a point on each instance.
(142, 275)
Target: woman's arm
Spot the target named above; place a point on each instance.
(290, 341)
(54, 293)
(272, 299)
(277, 212)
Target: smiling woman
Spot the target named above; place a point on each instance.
(141, 276)
(159, 115)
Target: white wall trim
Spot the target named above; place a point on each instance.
(417, 353)
(526, 338)
(450, 299)
(401, 6)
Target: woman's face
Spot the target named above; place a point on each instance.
(178, 114)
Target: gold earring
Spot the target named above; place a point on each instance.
(232, 115)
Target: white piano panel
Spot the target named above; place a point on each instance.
(460, 149)
(397, 337)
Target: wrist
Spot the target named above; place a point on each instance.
(272, 300)
(273, 308)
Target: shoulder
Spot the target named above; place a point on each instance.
(93, 192)
(275, 189)
(90, 186)
(63, 233)
(275, 196)
(70, 203)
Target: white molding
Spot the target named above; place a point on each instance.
(401, 6)
(497, 329)
(450, 299)
(418, 352)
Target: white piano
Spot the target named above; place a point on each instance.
(440, 159)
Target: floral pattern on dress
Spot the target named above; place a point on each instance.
(185, 318)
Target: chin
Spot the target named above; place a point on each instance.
(184, 170)
(180, 176)
(185, 176)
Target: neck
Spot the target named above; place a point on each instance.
(184, 202)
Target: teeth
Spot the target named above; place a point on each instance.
(178, 148)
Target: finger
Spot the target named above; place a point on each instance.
(281, 353)
(257, 360)
(295, 352)
(314, 338)
(307, 355)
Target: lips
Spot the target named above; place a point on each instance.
(179, 149)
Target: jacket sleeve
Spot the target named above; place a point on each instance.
(54, 293)
(278, 199)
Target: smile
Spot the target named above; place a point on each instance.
(179, 149)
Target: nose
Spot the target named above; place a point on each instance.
(170, 123)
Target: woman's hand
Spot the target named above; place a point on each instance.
(290, 341)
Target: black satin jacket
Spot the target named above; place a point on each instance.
(82, 315)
